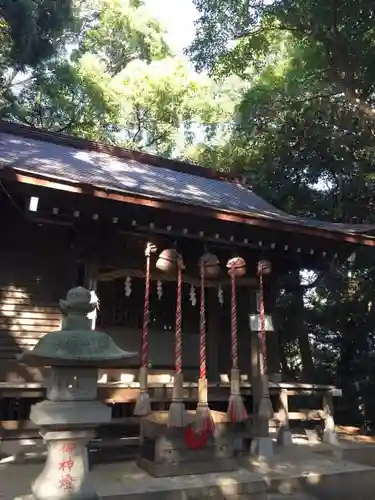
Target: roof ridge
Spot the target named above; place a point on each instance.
(60, 139)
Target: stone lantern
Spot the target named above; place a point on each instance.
(69, 415)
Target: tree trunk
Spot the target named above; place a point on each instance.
(301, 328)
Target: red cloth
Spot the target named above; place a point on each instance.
(195, 440)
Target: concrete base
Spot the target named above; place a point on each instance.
(295, 474)
(284, 437)
(262, 447)
(164, 451)
(359, 453)
(32, 497)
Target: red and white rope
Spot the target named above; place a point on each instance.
(263, 339)
(202, 330)
(234, 320)
(178, 333)
(146, 309)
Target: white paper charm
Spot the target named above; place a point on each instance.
(128, 286)
(220, 295)
(159, 289)
(193, 295)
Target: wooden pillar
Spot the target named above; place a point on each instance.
(91, 274)
(261, 444)
(214, 333)
(255, 370)
(273, 346)
(224, 345)
(244, 334)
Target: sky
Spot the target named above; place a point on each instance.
(177, 16)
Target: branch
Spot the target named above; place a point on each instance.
(156, 139)
(362, 106)
(263, 29)
(139, 124)
(22, 82)
(292, 285)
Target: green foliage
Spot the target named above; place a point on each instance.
(32, 29)
(122, 32)
(336, 40)
(117, 82)
(304, 136)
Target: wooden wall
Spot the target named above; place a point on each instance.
(37, 268)
(39, 263)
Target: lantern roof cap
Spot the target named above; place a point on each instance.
(76, 344)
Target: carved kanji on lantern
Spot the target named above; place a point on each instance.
(68, 447)
(66, 465)
(66, 482)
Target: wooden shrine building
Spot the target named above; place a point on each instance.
(77, 212)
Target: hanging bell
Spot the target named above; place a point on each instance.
(264, 267)
(168, 260)
(210, 265)
(237, 266)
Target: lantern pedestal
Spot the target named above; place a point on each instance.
(169, 451)
(67, 427)
(70, 413)
(66, 472)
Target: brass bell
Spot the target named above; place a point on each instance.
(209, 263)
(237, 266)
(168, 260)
(264, 267)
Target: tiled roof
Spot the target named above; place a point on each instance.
(127, 175)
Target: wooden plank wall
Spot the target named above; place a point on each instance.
(30, 288)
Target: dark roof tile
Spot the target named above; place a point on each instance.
(127, 175)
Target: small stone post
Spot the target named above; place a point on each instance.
(284, 436)
(68, 417)
(329, 433)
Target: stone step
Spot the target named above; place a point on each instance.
(294, 496)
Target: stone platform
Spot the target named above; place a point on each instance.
(298, 473)
(164, 451)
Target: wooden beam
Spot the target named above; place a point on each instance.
(220, 215)
(158, 276)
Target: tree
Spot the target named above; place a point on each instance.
(303, 135)
(31, 30)
(121, 85)
(337, 40)
(123, 31)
